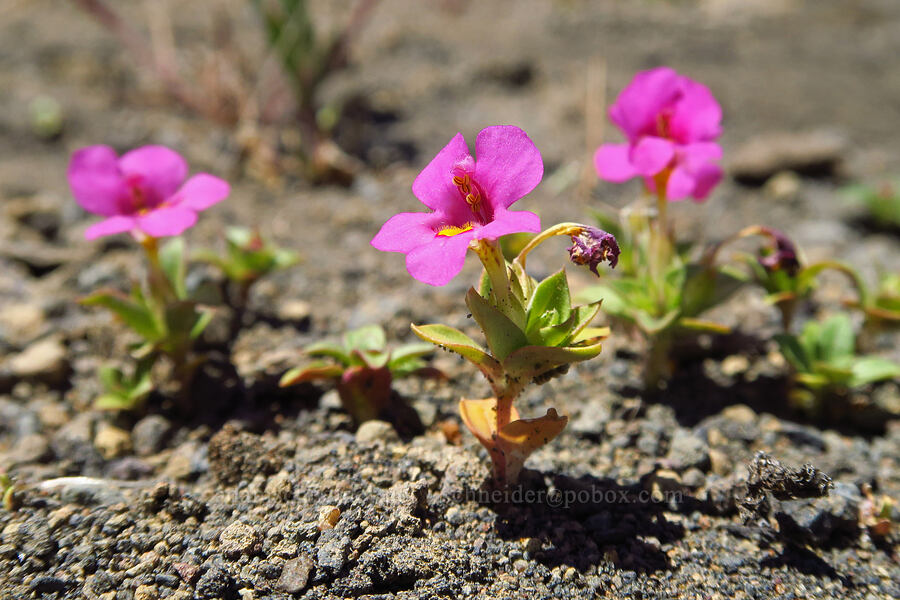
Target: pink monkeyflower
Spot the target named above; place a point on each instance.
(469, 199)
(671, 123)
(143, 191)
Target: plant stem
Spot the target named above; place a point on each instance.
(495, 266)
(559, 229)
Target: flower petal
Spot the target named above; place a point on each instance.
(509, 221)
(507, 164)
(707, 178)
(697, 115)
(697, 183)
(440, 260)
(406, 231)
(200, 192)
(162, 170)
(699, 153)
(613, 163)
(167, 220)
(434, 185)
(110, 226)
(651, 155)
(95, 180)
(636, 109)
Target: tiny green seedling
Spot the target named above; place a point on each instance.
(7, 492)
(363, 369)
(825, 362)
(882, 201)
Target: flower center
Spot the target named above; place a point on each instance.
(451, 230)
(139, 200)
(470, 192)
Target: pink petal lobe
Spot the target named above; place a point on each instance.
(201, 191)
(681, 184)
(110, 226)
(707, 177)
(507, 164)
(613, 163)
(699, 153)
(651, 155)
(95, 180)
(434, 185)
(405, 231)
(636, 109)
(161, 169)
(509, 221)
(697, 115)
(167, 220)
(439, 261)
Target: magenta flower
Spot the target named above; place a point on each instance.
(469, 198)
(671, 123)
(142, 191)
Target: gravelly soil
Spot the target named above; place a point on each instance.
(264, 493)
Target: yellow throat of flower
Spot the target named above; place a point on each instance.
(451, 230)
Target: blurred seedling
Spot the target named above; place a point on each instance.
(826, 364)
(45, 116)
(164, 316)
(660, 292)
(230, 89)
(363, 369)
(878, 514)
(7, 492)
(248, 258)
(881, 201)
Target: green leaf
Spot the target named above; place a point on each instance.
(503, 336)
(794, 352)
(331, 350)
(456, 341)
(372, 359)
(870, 369)
(550, 304)
(705, 288)
(836, 338)
(531, 361)
(408, 351)
(406, 366)
(367, 337)
(204, 318)
(136, 315)
(311, 372)
(171, 260)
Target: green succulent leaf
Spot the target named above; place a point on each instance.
(331, 350)
(705, 288)
(312, 372)
(171, 260)
(457, 341)
(531, 361)
(131, 310)
(372, 359)
(836, 338)
(503, 336)
(794, 352)
(870, 369)
(367, 337)
(550, 304)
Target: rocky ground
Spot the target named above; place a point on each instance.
(268, 493)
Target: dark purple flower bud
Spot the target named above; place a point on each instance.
(593, 246)
(782, 255)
